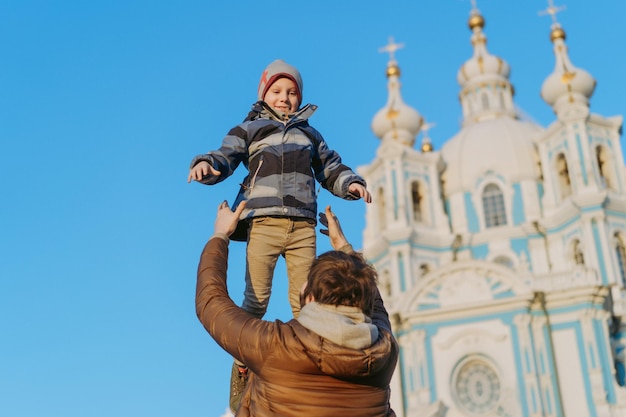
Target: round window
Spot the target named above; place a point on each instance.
(477, 387)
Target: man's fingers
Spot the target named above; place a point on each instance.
(240, 208)
(330, 216)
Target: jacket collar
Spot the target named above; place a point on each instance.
(262, 109)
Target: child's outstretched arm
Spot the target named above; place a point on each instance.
(216, 166)
(359, 190)
(332, 174)
(200, 170)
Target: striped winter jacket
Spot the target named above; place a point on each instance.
(284, 157)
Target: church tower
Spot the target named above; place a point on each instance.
(501, 257)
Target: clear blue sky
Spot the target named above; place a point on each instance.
(104, 103)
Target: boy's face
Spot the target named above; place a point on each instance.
(282, 96)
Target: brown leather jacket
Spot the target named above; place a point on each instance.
(295, 372)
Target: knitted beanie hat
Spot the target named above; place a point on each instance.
(279, 69)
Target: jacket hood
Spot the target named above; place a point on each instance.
(343, 325)
(343, 361)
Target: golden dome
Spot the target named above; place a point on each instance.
(557, 33)
(427, 147)
(393, 69)
(476, 20)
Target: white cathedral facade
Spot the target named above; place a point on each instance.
(502, 256)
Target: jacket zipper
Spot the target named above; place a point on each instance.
(256, 172)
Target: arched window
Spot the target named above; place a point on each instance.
(417, 199)
(563, 173)
(504, 261)
(501, 99)
(485, 101)
(577, 253)
(620, 252)
(380, 200)
(493, 206)
(604, 167)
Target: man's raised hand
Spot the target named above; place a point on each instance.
(337, 238)
(226, 219)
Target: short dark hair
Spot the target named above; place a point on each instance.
(339, 278)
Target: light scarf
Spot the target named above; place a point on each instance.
(343, 325)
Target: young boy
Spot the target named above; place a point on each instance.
(284, 156)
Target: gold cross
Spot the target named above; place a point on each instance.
(426, 127)
(391, 48)
(552, 10)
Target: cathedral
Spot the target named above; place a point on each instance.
(502, 255)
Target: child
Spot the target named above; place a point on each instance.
(284, 156)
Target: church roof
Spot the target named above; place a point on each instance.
(503, 145)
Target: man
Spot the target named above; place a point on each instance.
(335, 359)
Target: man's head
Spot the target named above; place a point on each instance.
(338, 278)
(281, 87)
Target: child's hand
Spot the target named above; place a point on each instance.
(201, 170)
(358, 190)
